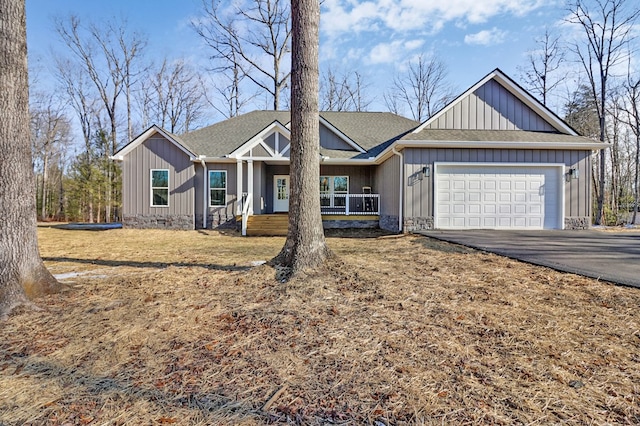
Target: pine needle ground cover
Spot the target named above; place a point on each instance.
(171, 327)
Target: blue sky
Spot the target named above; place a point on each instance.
(376, 37)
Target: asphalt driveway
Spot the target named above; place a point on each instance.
(609, 256)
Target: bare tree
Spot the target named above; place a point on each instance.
(423, 89)
(305, 246)
(173, 96)
(87, 106)
(631, 94)
(50, 136)
(343, 92)
(541, 72)
(22, 273)
(251, 39)
(226, 94)
(106, 54)
(607, 31)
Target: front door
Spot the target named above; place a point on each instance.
(281, 193)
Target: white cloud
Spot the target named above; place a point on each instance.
(385, 53)
(486, 37)
(429, 16)
(413, 44)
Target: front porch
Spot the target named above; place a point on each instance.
(346, 197)
(337, 210)
(277, 224)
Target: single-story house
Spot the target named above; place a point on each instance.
(493, 158)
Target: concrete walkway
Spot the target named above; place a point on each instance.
(609, 256)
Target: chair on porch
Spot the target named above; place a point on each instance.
(368, 200)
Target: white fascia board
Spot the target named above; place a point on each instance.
(384, 155)
(119, 156)
(341, 135)
(517, 91)
(254, 141)
(453, 102)
(224, 159)
(503, 145)
(533, 103)
(347, 161)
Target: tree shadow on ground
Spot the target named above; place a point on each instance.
(153, 265)
(100, 389)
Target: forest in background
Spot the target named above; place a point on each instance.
(109, 90)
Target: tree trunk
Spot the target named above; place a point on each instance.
(22, 273)
(43, 206)
(305, 247)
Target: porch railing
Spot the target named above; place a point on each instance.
(350, 204)
(246, 206)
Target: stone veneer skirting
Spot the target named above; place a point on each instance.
(577, 222)
(412, 224)
(140, 221)
(346, 224)
(424, 223)
(389, 223)
(217, 221)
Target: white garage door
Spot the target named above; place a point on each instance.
(497, 197)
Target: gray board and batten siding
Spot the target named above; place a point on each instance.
(419, 200)
(137, 211)
(491, 113)
(217, 216)
(491, 107)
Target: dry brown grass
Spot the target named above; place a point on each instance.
(176, 327)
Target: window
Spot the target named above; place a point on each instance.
(333, 191)
(159, 188)
(217, 188)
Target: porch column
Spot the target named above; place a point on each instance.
(250, 184)
(239, 187)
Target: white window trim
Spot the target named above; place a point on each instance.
(331, 193)
(159, 187)
(226, 184)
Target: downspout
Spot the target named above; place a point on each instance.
(204, 194)
(400, 194)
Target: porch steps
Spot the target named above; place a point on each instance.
(267, 224)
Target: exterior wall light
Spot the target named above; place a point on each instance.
(426, 171)
(574, 173)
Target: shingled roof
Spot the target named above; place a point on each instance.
(369, 130)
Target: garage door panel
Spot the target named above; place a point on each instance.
(494, 197)
(475, 208)
(474, 222)
(458, 196)
(489, 222)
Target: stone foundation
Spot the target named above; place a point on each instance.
(389, 223)
(412, 224)
(346, 224)
(183, 222)
(217, 221)
(577, 222)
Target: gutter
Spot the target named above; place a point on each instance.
(400, 197)
(204, 193)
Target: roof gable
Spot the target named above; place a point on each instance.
(496, 103)
(260, 145)
(148, 134)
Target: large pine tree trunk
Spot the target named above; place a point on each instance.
(305, 247)
(22, 273)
